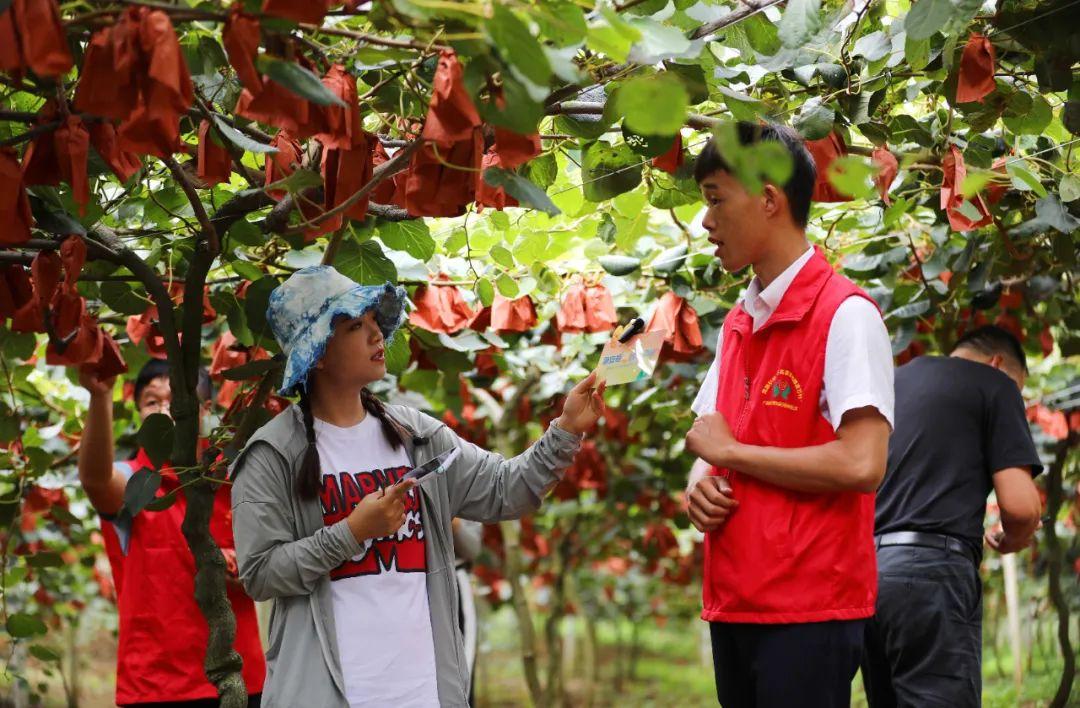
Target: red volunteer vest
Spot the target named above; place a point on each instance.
(786, 556)
(162, 632)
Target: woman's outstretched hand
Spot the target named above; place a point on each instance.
(584, 406)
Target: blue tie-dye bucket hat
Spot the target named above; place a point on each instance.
(302, 311)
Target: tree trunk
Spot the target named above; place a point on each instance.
(1055, 558)
(619, 656)
(553, 627)
(222, 663)
(512, 571)
(71, 685)
(589, 663)
(995, 633)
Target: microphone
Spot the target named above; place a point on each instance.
(635, 327)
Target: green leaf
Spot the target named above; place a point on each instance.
(753, 165)
(398, 354)
(668, 192)
(606, 230)
(520, 112)
(141, 489)
(815, 121)
(250, 370)
(507, 287)
(239, 139)
(411, 236)
(658, 41)
(256, 301)
(910, 310)
(613, 37)
(296, 182)
(917, 52)
(521, 189)
(693, 79)
(609, 170)
(245, 233)
(365, 263)
(638, 99)
(902, 337)
(1024, 180)
(974, 183)
(530, 247)
(502, 256)
(120, 296)
(42, 652)
(853, 175)
(163, 502)
(156, 437)
(17, 345)
(762, 34)
(1069, 188)
(561, 22)
(927, 17)
(873, 46)
(54, 219)
(619, 265)
(40, 461)
(1032, 121)
(45, 559)
(670, 260)
(457, 240)
(298, 80)
(512, 38)
(21, 625)
(485, 291)
(1050, 210)
(543, 170)
(647, 145)
(800, 22)
(741, 105)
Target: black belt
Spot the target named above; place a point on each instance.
(927, 540)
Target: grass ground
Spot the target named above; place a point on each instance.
(672, 670)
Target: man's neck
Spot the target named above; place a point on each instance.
(787, 251)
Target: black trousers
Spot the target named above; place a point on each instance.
(783, 665)
(924, 645)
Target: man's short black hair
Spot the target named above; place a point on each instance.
(159, 368)
(991, 340)
(799, 187)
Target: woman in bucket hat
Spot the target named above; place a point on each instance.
(360, 563)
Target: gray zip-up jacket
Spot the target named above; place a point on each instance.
(285, 552)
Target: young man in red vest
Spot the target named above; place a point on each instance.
(792, 435)
(162, 637)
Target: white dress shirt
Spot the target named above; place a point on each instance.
(858, 354)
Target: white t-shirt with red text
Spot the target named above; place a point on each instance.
(381, 613)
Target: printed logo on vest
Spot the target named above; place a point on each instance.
(783, 391)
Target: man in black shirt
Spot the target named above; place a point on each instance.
(960, 432)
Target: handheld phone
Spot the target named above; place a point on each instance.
(437, 464)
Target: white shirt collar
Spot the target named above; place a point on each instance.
(759, 303)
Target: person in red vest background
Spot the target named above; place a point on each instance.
(162, 636)
(791, 440)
